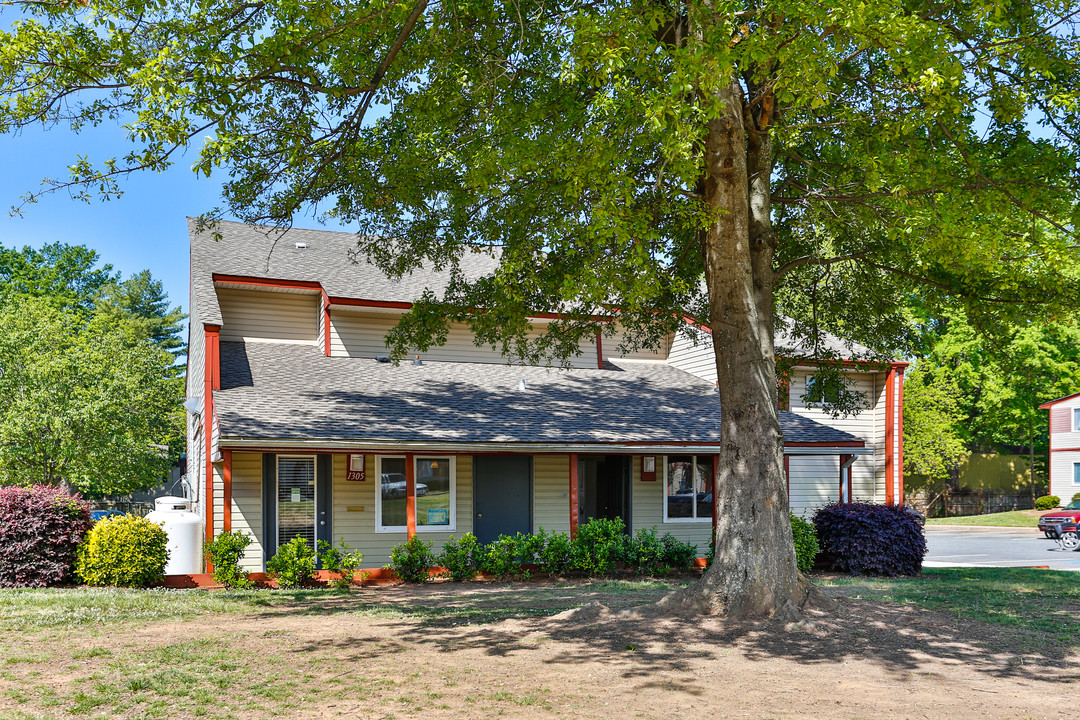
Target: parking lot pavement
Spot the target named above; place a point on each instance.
(994, 547)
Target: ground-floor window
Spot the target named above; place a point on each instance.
(295, 498)
(1076, 473)
(435, 500)
(688, 488)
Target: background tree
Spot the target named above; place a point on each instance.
(1000, 381)
(89, 406)
(713, 160)
(141, 301)
(72, 277)
(68, 275)
(935, 444)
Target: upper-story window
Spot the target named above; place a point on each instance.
(1076, 420)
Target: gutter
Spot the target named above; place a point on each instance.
(401, 446)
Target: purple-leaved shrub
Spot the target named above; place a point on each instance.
(40, 528)
(868, 539)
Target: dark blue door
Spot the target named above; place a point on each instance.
(502, 495)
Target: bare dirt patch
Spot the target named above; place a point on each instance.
(445, 651)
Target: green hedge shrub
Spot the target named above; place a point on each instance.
(806, 544)
(412, 559)
(293, 564)
(507, 555)
(643, 553)
(1047, 502)
(40, 529)
(556, 554)
(1076, 497)
(341, 562)
(225, 552)
(598, 545)
(123, 551)
(678, 555)
(461, 558)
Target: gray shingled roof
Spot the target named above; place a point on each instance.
(263, 252)
(281, 392)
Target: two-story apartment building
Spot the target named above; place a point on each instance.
(303, 429)
(1064, 446)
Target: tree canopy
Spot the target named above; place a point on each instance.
(89, 405)
(737, 163)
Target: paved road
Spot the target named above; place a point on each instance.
(993, 547)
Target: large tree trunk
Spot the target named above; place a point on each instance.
(754, 573)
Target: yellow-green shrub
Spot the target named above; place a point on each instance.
(127, 551)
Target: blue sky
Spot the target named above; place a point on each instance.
(144, 229)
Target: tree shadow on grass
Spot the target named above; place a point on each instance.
(502, 621)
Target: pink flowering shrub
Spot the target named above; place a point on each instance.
(40, 527)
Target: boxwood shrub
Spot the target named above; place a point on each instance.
(1047, 502)
(225, 553)
(806, 542)
(867, 539)
(411, 560)
(40, 529)
(293, 564)
(126, 551)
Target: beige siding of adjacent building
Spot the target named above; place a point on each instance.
(261, 316)
(698, 360)
(354, 512)
(867, 425)
(610, 346)
(1061, 474)
(361, 334)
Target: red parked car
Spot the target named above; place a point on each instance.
(1070, 514)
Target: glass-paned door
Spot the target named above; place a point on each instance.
(296, 499)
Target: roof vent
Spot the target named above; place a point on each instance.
(382, 358)
(417, 361)
(301, 246)
(521, 384)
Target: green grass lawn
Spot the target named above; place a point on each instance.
(1013, 518)
(97, 652)
(1044, 600)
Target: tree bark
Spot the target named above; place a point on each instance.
(754, 574)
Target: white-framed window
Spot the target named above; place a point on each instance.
(296, 490)
(1076, 420)
(1076, 473)
(688, 488)
(436, 493)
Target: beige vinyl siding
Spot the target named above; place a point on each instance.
(1066, 440)
(1061, 475)
(646, 498)
(254, 315)
(195, 380)
(357, 526)
(551, 493)
(359, 334)
(247, 506)
(864, 426)
(813, 481)
(611, 348)
(698, 360)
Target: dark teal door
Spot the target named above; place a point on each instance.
(502, 495)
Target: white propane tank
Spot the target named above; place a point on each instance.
(185, 531)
